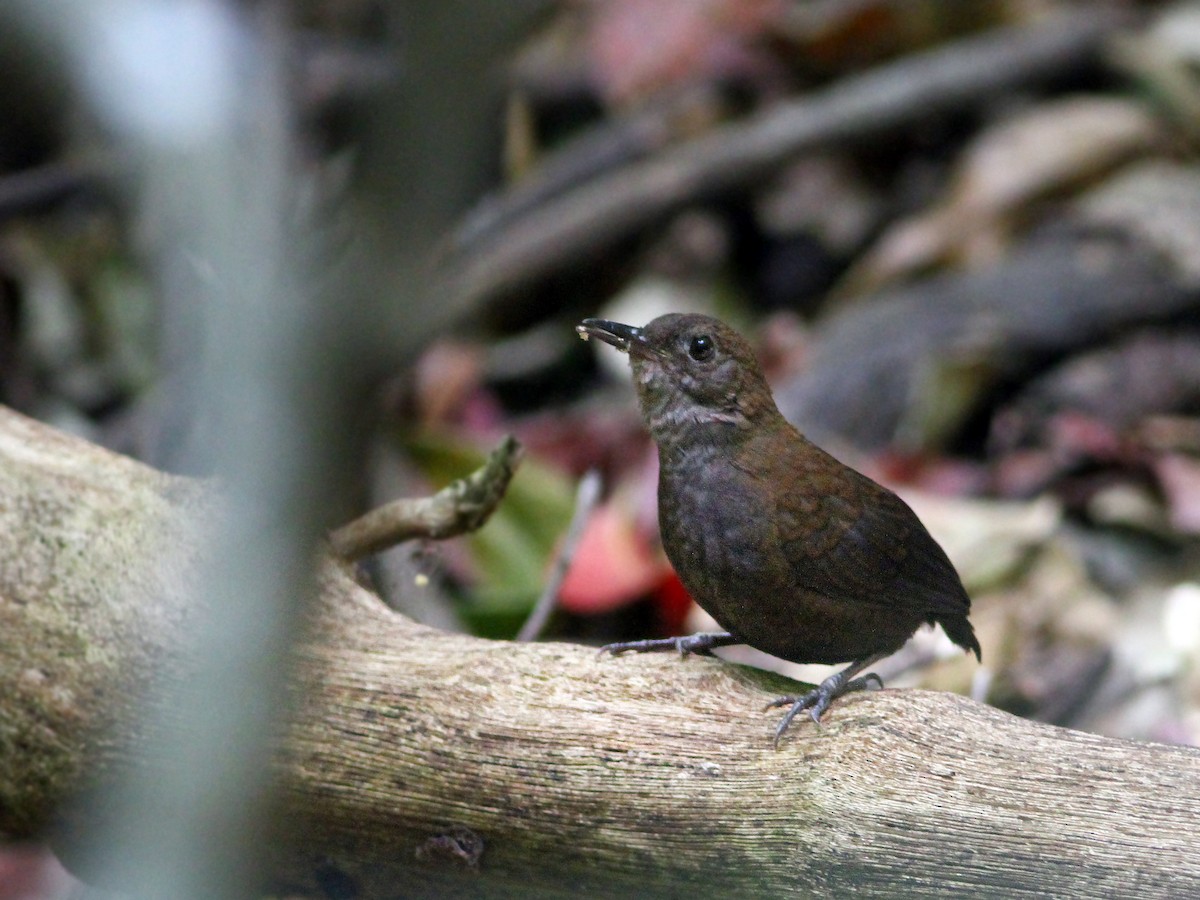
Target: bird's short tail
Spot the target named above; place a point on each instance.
(960, 631)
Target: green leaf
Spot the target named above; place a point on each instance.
(511, 552)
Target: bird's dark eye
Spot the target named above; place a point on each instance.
(701, 347)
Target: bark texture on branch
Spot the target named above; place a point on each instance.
(419, 763)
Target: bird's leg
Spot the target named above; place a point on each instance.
(701, 642)
(818, 699)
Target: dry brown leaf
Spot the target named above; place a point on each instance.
(1053, 147)
(1179, 477)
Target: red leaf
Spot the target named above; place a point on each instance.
(613, 565)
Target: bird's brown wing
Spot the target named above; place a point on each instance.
(851, 538)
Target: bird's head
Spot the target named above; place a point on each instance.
(691, 372)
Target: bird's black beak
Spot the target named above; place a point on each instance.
(620, 336)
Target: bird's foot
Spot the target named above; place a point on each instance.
(702, 643)
(818, 699)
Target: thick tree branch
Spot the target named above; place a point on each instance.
(420, 763)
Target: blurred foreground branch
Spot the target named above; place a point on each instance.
(419, 763)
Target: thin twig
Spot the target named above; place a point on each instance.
(585, 501)
(462, 506)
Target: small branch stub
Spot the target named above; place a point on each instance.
(462, 506)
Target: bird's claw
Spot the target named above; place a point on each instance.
(678, 644)
(700, 644)
(864, 684)
(819, 699)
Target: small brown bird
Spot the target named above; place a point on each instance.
(788, 549)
